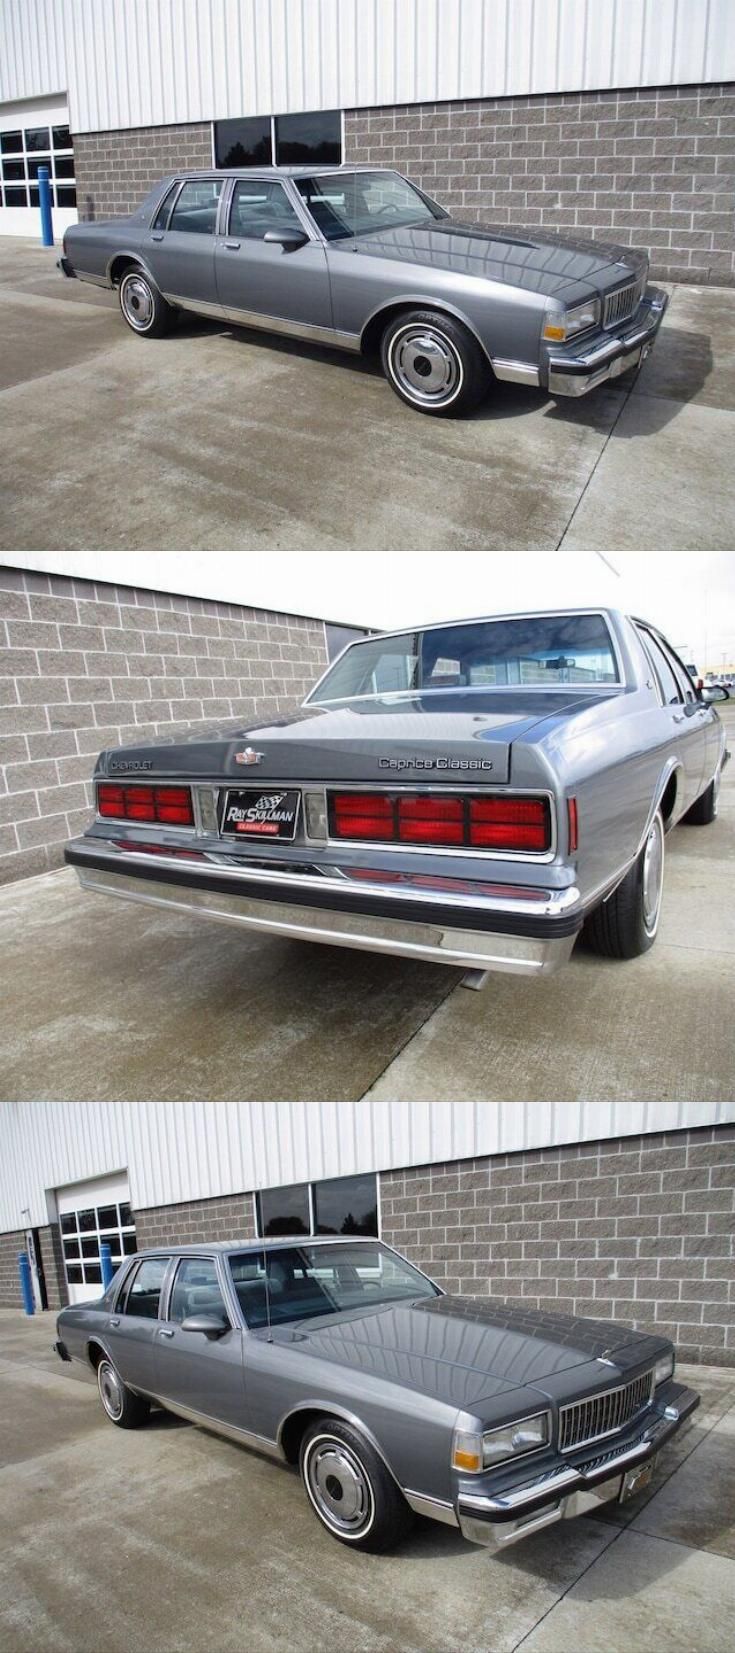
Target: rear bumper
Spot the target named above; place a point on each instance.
(482, 927)
(574, 372)
(61, 1350)
(568, 1489)
(66, 269)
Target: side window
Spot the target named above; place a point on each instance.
(258, 204)
(143, 1295)
(161, 219)
(686, 689)
(664, 671)
(196, 208)
(196, 1289)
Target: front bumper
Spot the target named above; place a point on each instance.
(486, 927)
(574, 371)
(567, 1490)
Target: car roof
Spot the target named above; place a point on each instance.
(278, 171)
(225, 1246)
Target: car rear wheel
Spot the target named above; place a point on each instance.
(142, 306)
(625, 925)
(350, 1489)
(124, 1408)
(704, 811)
(433, 363)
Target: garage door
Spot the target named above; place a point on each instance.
(90, 1213)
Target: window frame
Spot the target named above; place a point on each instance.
(39, 157)
(113, 1235)
(122, 1300)
(204, 178)
(311, 1186)
(652, 643)
(273, 118)
(282, 183)
(177, 1262)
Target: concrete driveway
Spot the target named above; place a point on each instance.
(222, 439)
(113, 1001)
(166, 1539)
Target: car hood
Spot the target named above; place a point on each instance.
(463, 1350)
(357, 740)
(541, 263)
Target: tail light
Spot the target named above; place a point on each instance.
(457, 820)
(169, 805)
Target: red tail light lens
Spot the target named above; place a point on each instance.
(510, 823)
(362, 815)
(170, 805)
(457, 820)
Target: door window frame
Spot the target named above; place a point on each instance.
(127, 1285)
(177, 1262)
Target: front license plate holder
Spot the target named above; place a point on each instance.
(636, 1479)
(263, 814)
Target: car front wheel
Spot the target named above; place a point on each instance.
(433, 363)
(142, 306)
(124, 1408)
(625, 925)
(350, 1489)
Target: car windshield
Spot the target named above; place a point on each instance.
(311, 1279)
(534, 651)
(358, 203)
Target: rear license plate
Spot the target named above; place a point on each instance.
(253, 813)
(636, 1480)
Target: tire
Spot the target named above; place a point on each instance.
(121, 1406)
(142, 306)
(433, 363)
(625, 926)
(704, 811)
(340, 1468)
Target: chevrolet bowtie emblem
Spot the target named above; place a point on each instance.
(249, 756)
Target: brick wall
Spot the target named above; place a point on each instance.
(653, 168)
(228, 1217)
(10, 1247)
(86, 665)
(639, 1230)
(115, 170)
(52, 1258)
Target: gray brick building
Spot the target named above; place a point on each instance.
(84, 665)
(622, 1211)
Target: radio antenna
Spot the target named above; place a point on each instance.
(267, 1296)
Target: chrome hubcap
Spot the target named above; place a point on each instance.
(425, 364)
(339, 1487)
(653, 874)
(110, 1389)
(137, 301)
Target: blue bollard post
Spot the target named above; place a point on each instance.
(26, 1283)
(106, 1261)
(44, 201)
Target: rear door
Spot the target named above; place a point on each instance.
(684, 712)
(179, 247)
(203, 1374)
(256, 277)
(133, 1324)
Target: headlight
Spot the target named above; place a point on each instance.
(473, 1453)
(664, 1368)
(565, 324)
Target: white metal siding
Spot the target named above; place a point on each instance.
(196, 1150)
(154, 62)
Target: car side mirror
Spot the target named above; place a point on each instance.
(287, 237)
(210, 1325)
(714, 691)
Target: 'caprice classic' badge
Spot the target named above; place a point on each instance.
(249, 756)
(435, 763)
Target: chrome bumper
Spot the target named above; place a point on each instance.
(568, 1490)
(573, 373)
(532, 934)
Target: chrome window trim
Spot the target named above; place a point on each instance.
(605, 1394)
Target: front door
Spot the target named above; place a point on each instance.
(131, 1327)
(201, 1373)
(179, 247)
(258, 278)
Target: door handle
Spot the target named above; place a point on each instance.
(113, 1323)
(164, 1333)
(157, 236)
(679, 717)
(232, 246)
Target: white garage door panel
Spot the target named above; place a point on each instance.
(91, 1213)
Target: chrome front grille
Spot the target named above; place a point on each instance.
(591, 1420)
(624, 303)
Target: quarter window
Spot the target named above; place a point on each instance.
(259, 205)
(196, 1289)
(144, 1293)
(195, 211)
(668, 683)
(161, 219)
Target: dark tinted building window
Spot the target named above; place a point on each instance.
(347, 1205)
(243, 143)
(309, 138)
(11, 143)
(284, 1210)
(38, 138)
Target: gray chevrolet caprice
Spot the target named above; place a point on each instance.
(392, 1397)
(361, 259)
(474, 793)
